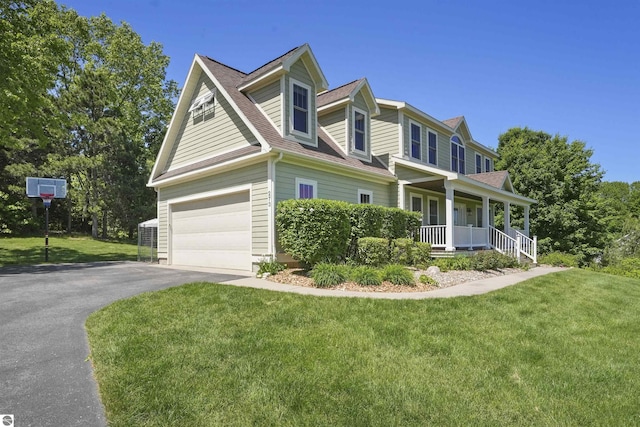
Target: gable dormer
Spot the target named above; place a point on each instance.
(345, 113)
(285, 90)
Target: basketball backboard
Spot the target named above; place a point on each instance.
(36, 187)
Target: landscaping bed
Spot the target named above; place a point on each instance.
(299, 277)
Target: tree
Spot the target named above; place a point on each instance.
(568, 215)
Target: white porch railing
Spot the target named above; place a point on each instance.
(470, 237)
(434, 234)
(502, 242)
(528, 247)
(514, 246)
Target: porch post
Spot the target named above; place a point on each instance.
(448, 235)
(485, 211)
(507, 218)
(526, 220)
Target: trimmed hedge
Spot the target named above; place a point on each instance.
(373, 251)
(402, 251)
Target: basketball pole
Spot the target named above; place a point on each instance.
(47, 203)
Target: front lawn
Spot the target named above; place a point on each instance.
(560, 349)
(62, 249)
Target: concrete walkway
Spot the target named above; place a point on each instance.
(476, 287)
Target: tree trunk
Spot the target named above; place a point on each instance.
(94, 225)
(104, 224)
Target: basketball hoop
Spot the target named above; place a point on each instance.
(46, 199)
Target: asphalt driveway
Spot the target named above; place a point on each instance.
(45, 377)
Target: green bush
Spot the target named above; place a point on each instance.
(314, 230)
(325, 274)
(458, 262)
(366, 221)
(398, 275)
(373, 251)
(421, 254)
(398, 224)
(270, 266)
(366, 276)
(627, 267)
(402, 251)
(427, 280)
(559, 259)
(491, 260)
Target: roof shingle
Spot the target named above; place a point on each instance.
(495, 179)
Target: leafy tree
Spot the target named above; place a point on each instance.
(568, 215)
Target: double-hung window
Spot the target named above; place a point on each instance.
(416, 141)
(457, 155)
(487, 165)
(478, 163)
(306, 189)
(300, 107)
(433, 212)
(359, 130)
(433, 147)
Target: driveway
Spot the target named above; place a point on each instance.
(45, 377)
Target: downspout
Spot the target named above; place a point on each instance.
(272, 204)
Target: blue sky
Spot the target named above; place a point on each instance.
(565, 67)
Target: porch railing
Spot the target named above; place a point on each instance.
(502, 242)
(528, 247)
(434, 234)
(470, 237)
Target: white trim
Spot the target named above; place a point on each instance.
(429, 199)
(412, 122)
(193, 162)
(262, 77)
(271, 203)
(475, 163)
(365, 192)
(401, 152)
(417, 196)
(459, 145)
(437, 146)
(292, 131)
(283, 107)
(305, 181)
(352, 144)
(203, 196)
(490, 160)
(264, 113)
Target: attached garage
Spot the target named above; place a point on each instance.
(212, 232)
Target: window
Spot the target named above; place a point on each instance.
(306, 189)
(487, 165)
(433, 211)
(203, 104)
(300, 108)
(365, 197)
(478, 163)
(457, 155)
(359, 130)
(416, 141)
(478, 217)
(416, 203)
(433, 148)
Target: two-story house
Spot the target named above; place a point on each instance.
(238, 143)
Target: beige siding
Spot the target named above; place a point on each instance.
(255, 175)
(268, 98)
(384, 134)
(330, 185)
(299, 72)
(407, 174)
(444, 152)
(334, 123)
(203, 137)
(359, 103)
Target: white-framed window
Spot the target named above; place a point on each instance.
(459, 214)
(203, 104)
(365, 197)
(478, 216)
(434, 216)
(488, 167)
(300, 111)
(306, 189)
(359, 132)
(415, 149)
(415, 201)
(432, 140)
(478, 163)
(457, 155)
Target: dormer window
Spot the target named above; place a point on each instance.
(457, 155)
(479, 163)
(359, 134)
(487, 165)
(203, 104)
(300, 108)
(416, 141)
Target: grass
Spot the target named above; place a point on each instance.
(560, 349)
(30, 250)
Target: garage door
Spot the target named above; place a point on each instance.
(213, 232)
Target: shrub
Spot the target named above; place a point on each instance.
(458, 262)
(398, 275)
(559, 259)
(366, 276)
(270, 266)
(402, 251)
(491, 260)
(325, 274)
(427, 280)
(421, 253)
(366, 221)
(314, 230)
(398, 224)
(628, 267)
(373, 251)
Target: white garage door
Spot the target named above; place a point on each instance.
(213, 232)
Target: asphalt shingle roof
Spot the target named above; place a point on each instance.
(495, 179)
(330, 96)
(454, 122)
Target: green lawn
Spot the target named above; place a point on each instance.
(30, 250)
(561, 349)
